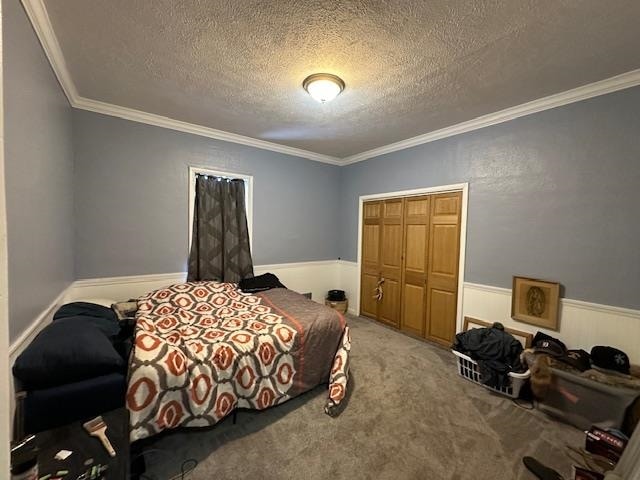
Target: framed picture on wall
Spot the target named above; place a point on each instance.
(536, 302)
(525, 338)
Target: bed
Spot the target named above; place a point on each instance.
(203, 349)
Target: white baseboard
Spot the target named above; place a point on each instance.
(36, 326)
(582, 324)
(118, 289)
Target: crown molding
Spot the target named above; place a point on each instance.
(37, 13)
(39, 18)
(172, 124)
(609, 85)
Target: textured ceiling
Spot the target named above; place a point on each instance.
(410, 67)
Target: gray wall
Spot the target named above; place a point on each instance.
(39, 174)
(554, 195)
(132, 198)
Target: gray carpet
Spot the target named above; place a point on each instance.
(409, 416)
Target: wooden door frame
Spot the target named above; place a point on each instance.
(456, 187)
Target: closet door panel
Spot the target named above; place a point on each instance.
(371, 210)
(391, 264)
(414, 286)
(390, 305)
(444, 255)
(442, 276)
(392, 250)
(416, 251)
(371, 246)
(413, 308)
(371, 257)
(442, 310)
(368, 303)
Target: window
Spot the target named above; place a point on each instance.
(248, 189)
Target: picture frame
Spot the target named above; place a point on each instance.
(525, 338)
(536, 302)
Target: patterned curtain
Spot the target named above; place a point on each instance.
(220, 243)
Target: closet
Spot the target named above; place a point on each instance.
(410, 256)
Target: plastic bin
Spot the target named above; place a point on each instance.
(468, 369)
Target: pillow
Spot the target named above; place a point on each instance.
(101, 317)
(85, 308)
(66, 351)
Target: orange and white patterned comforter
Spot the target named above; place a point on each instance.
(203, 349)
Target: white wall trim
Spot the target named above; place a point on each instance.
(37, 13)
(153, 277)
(595, 307)
(139, 116)
(581, 324)
(609, 85)
(37, 325)
(248, 180)
(457, 187)
(311, 263)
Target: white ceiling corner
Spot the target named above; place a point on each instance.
(595, 57)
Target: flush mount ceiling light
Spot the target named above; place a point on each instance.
(323, 87)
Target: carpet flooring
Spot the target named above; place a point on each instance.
(409, 416)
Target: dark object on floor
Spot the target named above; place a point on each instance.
(578, 359)
(582, 474)
(610, 358)
(24, 458)
(73, 437)
(496, 351)
(539, 470)
(554, 346)
(261, 283)
(336, 296)
(605, 444)
(70, 376)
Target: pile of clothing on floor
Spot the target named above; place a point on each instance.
(606, 365)
(496, 351)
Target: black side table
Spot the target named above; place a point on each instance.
(75, 438)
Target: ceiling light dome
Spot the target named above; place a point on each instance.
(323, 87)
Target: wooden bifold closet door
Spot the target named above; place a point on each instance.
(411, 250)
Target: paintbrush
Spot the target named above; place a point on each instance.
(97, 428)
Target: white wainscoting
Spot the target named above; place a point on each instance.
(304, 277)
(582, 324)
(118, 289)
(348, 275)
(315, 277)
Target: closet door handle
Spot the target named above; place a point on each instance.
(378, 293)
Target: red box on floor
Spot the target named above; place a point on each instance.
(600, 442)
